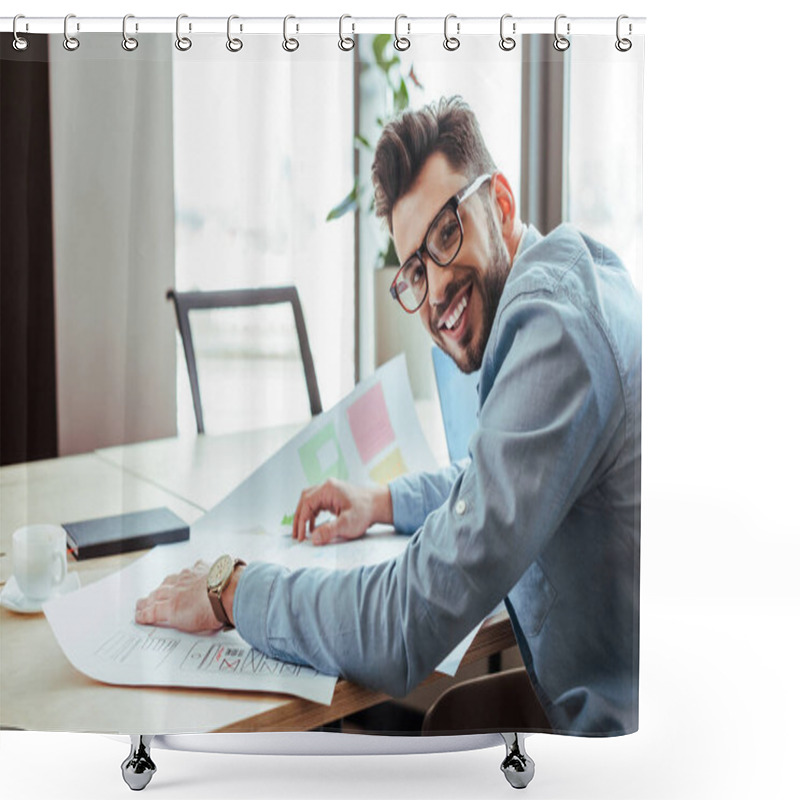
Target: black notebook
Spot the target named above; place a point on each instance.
(124, 532)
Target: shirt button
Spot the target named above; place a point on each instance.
(461, 507)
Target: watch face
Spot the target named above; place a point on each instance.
(220, 570)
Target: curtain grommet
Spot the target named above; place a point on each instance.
(401, 43)
(182, 43)
(622, 44)
(451, 43)
(560, 43)
(20, 43)
(346, 43)
(507, 43)
(70, 43)
(129, 43)
(290, 44)
(234, 45)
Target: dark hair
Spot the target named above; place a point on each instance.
(447, 126)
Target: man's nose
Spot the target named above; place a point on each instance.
(438, 279)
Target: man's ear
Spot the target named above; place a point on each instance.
(505, 203)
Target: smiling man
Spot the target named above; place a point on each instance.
(544, 514)
(457, 307)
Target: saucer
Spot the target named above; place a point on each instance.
(12, 597)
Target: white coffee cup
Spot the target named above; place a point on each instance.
(40, 560)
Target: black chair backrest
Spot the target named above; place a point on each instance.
(235, 298)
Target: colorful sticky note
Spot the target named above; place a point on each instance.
(322, 457)
(369, 423)
(389, 468)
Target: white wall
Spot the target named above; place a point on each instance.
(113, 220)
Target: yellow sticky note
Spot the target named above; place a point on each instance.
(389, 468)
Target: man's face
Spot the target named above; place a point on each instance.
(463, 296)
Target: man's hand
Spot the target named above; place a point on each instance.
(180, 602)
(355, 508)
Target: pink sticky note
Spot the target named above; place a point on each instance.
(370, 424)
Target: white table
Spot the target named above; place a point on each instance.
(203, 469)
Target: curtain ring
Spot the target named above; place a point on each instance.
(183, 43)
(623, 45)
(290, 44)
(129, 43)
(451, 42)
(20, 42)
(506, 42)
(401, 43)
(346, 43)
(560, 43)
(234, 45)
(70, 43)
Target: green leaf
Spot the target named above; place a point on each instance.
(400, 97)
(363, 140)
(383, 62)
(379, 44)
(350, 203)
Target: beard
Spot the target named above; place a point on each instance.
(489, 284)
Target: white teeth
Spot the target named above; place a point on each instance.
(453, 319)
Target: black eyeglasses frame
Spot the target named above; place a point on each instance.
(452, 204)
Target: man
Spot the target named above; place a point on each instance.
(544, 513)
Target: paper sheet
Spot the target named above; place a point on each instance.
(369, 438)
(96, 630)
(254, 522)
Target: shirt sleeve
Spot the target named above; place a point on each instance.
(417, 495)
(553, 414)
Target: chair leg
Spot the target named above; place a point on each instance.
(517, 766)
(138, 768)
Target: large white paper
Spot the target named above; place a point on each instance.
(372, 436)
(369, 438)
(96, 630)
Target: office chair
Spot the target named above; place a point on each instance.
(236, 298)
(477, 705)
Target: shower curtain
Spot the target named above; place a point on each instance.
(481, 199)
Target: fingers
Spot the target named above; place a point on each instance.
(185, 575)
(162, 606)
(329, 496)
(329, 531)
(308, 506)
(150, 611)
(162, 593)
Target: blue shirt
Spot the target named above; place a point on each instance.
(544, 514)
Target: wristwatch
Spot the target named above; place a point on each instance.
(219, 576)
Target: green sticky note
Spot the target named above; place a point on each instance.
(322, 457)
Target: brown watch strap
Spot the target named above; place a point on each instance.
(215, 597)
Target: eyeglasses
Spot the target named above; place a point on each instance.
(442, 243)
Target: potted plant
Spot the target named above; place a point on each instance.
(384, 330)
(386, 73)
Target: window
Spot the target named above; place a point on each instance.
(255, 176)
(605, 149)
